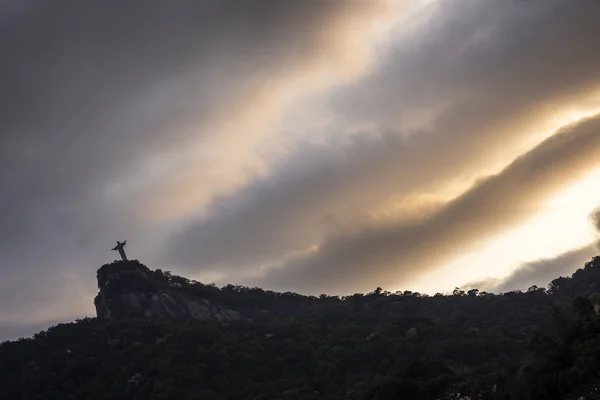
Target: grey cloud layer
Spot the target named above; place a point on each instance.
(90, 89)
(486, 72)
(396, 252)
(93, 89)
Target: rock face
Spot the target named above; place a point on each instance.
(129, 290)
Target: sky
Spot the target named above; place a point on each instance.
(319, 146)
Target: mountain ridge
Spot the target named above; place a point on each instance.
(130, 290)
(375, 346)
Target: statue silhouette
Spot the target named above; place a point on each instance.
(120, 248)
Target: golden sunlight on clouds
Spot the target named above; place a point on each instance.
(318, 146)
(406, 208)
(561, 226)
(532, 133)
(223, 156)
(587, 105)
(226, 156)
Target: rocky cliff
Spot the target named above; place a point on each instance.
(130, 290)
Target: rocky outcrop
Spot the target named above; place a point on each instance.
(129, 290)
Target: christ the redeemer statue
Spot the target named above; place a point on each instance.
(120, 248)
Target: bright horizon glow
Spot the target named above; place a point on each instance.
(562, 226)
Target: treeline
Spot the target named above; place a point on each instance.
(543, 343)
(135, 276)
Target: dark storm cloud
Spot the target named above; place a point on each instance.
(396, 252)
(91, 89)
(465, 93)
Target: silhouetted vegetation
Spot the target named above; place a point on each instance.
(538, 344)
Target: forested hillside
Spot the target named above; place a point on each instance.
(538, 344)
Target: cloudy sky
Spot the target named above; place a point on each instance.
(318, 146)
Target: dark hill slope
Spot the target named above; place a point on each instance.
(161, 336)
